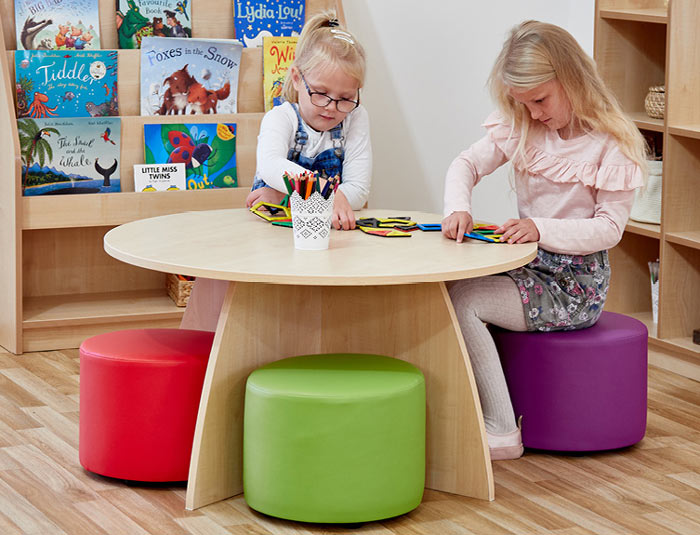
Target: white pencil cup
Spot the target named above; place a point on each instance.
(311, 221)
(655, 300)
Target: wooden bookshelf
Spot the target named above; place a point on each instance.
(638, 44)
(57, 285)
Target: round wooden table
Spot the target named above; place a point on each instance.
(365, 294)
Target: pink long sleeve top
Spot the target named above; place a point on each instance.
(579, 191)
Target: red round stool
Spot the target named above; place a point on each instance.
(139, 396)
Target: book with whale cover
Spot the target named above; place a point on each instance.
(69, 156)
(57, 24)
(71, 83)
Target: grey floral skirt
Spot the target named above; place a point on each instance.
(562, 292)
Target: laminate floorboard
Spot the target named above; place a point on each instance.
(651, 488)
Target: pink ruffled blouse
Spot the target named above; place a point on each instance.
(579, 191)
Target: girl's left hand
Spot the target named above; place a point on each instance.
(519, 231)
(343, 215)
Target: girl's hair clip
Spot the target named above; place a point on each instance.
(340, 34)
(332, 23)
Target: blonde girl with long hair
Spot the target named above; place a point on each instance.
(321, 126)
(577, 160)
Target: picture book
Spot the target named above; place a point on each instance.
(278, 55)
(181, 76)
(137, 19)
(159, 177)
(57, 24)
(69, 156)
(255, 19)
(69, 83)
(208, 151)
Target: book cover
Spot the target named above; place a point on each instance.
(137, 19)
(57, 24)
(208, 151)
(181, 76)
(69, 156)
(255, 19)
(278, 55)
(69, 83)
(159, 177)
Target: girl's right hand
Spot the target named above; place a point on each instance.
(267, 194)
(456, 224)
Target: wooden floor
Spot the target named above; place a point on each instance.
(652, 488)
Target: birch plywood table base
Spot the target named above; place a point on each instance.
(364, 295)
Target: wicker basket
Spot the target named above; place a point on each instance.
(655, 102)
(179, 290)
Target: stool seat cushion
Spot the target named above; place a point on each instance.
(583, 390)
(139, 397)
(334, 438)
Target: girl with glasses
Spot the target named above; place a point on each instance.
(321, 126)
(577, 159)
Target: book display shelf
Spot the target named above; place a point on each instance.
(57, 285)
(639, 44)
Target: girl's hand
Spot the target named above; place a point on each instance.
(456, 224)
(266, 194)
(519, 231)
(343, 216)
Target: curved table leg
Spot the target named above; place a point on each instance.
(260, 323)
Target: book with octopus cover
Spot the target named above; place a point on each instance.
(278, 55)
(51, 83)
(57, 24)
(208, 151)
(184, 76)
(255, 19)
(137, 19)
(69, 156)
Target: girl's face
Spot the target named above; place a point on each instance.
(331, 81)
(546, 103)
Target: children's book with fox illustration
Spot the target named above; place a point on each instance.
(57, 24)
(69, 156)
(255, 19)
(51, 83)
(208, 151)
(137, 19)
(184, 76)
(278, 55)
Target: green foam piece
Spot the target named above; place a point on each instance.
(337, 438)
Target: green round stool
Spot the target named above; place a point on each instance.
(336, 438)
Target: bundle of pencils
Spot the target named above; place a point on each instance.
(307, 182)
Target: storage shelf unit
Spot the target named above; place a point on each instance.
(638, 44)
(57, 285)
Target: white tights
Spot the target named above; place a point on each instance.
(493, 299)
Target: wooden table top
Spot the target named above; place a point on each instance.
(237, 245)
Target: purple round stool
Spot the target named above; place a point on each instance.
(580, 390)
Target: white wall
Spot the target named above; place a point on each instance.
(428, 63)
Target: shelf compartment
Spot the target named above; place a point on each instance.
(111, 209)
(640, 47)
(106, 307)
(630, 283)
(689, 239)
(657, 15)
(644, 229)
(679, 292)
(681, 186)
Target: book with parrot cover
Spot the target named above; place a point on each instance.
(278, 55)
(183, 76)
(208, 151)
(57, 24)
(52, 83)
(69, 155)
(137, 19)
(255, 19)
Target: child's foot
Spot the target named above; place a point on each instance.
(506, 445)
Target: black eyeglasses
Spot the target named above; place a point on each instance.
(343, 105)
